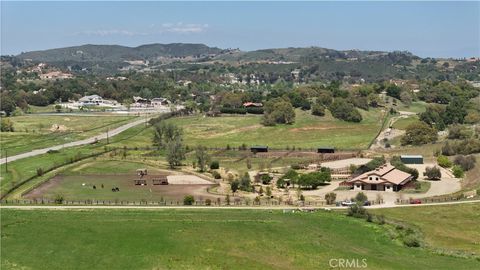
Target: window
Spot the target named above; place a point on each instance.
(376, 178)
(370, 178)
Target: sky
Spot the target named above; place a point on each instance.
(427, 29)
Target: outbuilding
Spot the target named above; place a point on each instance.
(325, 150)
(259, 148)
(412, 159)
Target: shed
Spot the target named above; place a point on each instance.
(259, 148)
(412, 159)
(325, 150)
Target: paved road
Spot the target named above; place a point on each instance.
(73, 207)
(111, 133)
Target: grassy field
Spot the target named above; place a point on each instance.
(22, 169)
(202, 239)
(37, 131)
(445, 227)
(403, 123)
(416, 107)
(307, 131)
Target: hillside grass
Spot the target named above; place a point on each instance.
(449, 227)
(202, 239)
(308, 131)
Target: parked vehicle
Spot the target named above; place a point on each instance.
(415, 201)
(367, 203)
(348, 203)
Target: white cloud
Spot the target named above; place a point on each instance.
(183, 28)
(179, 27)
(110, 32)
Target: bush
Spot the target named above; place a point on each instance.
(208, 202)
(361, 198)
(330, 197)
(59, 199)
(6, 125)
(214, 165)
(39, 171)
(216, 175)
(433, 173)
(255, 110)
(343, 110)
(233, 110)
(457, 171)
(444, 162)
(188, 200)
(411, 240)
(318, 109)
(266, 179)
(465, 162)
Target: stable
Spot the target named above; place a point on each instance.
(411, 159)
(259, 148)
(325, 150)
(383, 178)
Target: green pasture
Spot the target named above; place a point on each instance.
(38, 131)
(202, 239)
(308, 131)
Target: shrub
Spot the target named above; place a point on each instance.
(208, 202)
(465, 162)
(433, 173)
(330, 197)
(216, 175)
(357, 211)
(381, 219)
(343, 110)
(266, 179)
(411, 240)
(318, 110)
(214, 165)
(188, 200)
(39, 171)
(6, 125)
(361, 198)
(457, 171)
(444, 162)
(59, 199)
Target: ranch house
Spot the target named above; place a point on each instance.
(383, 178)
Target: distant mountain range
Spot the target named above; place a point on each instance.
(117, 53)
(193, 52)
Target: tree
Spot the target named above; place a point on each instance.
(58, 108)
(7, 104)
(268, 191)
(419, 133)
(215, 165)
(188, 200)
(165, 132)
(175, 152)
(460, 132)
(361, 198)
(245, 182)
(393, 91)
(202, 157)
(278, 111)
(455, 111)
(433, 173)
(234, 185)
(343, 110)
(330, 197)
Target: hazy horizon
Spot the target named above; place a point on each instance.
(426, 29)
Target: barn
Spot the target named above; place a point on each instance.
(259, 148)
(411, 159)
(325, 150)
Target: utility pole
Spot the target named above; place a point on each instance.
(107, 136)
